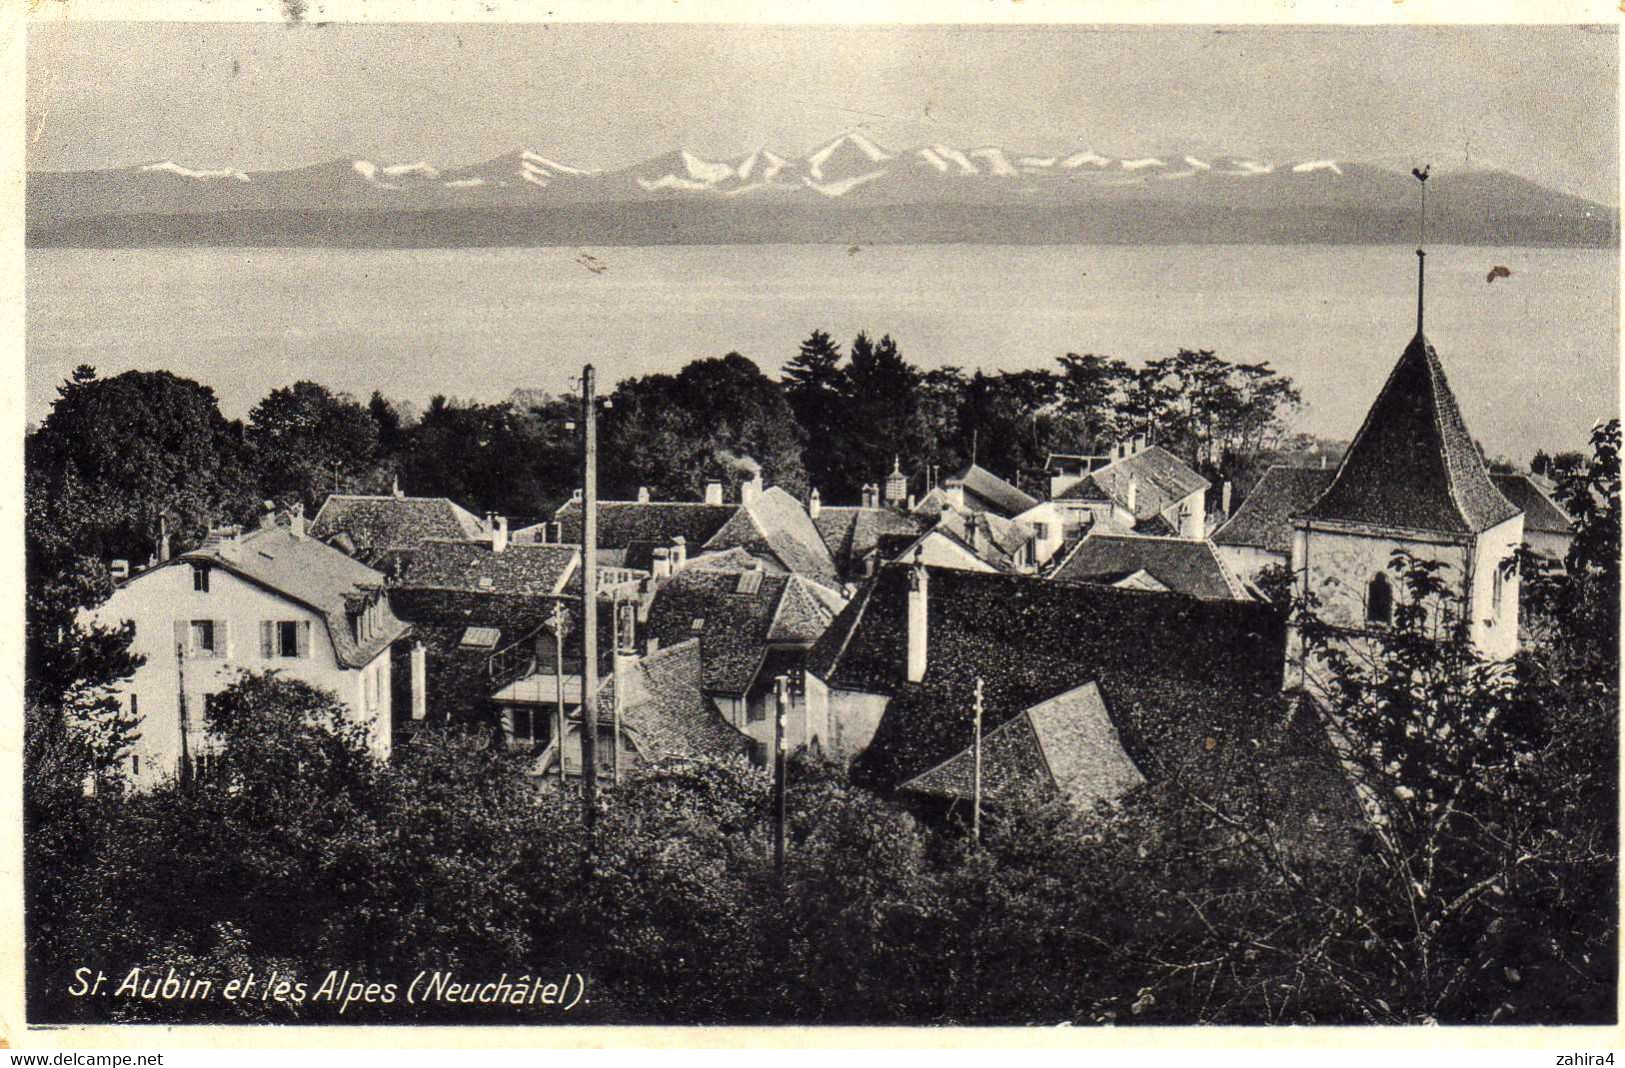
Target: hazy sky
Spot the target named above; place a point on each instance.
(1539, 101)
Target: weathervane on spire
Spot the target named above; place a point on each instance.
(1421, 175)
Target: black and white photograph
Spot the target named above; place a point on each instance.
(762, 524)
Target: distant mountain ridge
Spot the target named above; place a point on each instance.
(849, 190)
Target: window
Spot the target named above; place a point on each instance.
(1379, 601)
(135, 765)
(284, 638)
(135, 706)
(200, 578)
(1495, 590)
(287, 639)
(203, 634)
(521, 724)
(1041, 531)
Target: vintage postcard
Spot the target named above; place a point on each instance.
(554, 527)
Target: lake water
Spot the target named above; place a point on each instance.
(1533, 357)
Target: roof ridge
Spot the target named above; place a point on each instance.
(1231, 582)
(1436, 379)
(986, 734)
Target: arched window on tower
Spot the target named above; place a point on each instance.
(1379, 600)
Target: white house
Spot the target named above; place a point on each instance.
(1145, 489)
(270, 598)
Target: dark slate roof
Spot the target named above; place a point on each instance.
(1264, 520)
(315, 574)
(621, 523)
(375, 524)
(987, 492)
(513, 614)
(776, 524)
(665, 711)
(1541, 514)
(851, 533)
(1162, 480)
(1183, 566)
(460, 565)
(1413, 465)
(1172, 671)
(735, 636)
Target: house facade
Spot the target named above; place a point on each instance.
(273, 598)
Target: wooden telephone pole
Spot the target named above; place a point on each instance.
(589, 599)
(781, 696)
(558, 688)
(185, 718)
(976, 780)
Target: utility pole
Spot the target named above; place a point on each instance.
(558, 689)
(622, 635)
(976, 780)
(186, 726)
(781, 697)
(589, 600)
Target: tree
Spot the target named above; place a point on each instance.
(307, 442)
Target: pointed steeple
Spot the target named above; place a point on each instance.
(1413, 465)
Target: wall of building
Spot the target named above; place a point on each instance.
(155, 600)
(1494, 619)
(937, 550)
(1246, 561)
(1054, 521)
(1554, 547)
(1188, 515)
(851, 717)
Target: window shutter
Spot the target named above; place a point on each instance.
(304, 639)
(267, 638)
(183, 635)
(222, 639)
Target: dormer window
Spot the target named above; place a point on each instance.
(1379, 601)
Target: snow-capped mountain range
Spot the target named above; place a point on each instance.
(849, 189)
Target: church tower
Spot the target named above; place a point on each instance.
(1413, 479)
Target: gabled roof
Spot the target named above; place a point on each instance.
(1264, 520)
(738, 627)
(990, 538)
(1541, 514)
(1162, 479)
(852, 533)
(987, 492)
(665, 711)
(1413, 465)
(313, 573)
(621, 523)
(775, 524)
(375, 524)
(1171, 670)
(1067, 742)
(539, 570)
(1183, 566)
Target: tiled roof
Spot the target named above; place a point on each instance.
(1172, 671)
(851, 533)
(540, 570)
(620, 523)
(1413, 465)
(805, 610)
(1068, 742)
(1541, 514)
(316, 575)
(375, 524)
(735, 634)
(1264, 520)
(1182, 565)
(775, 524)
(987, 492)
(665, 711)
(1162, 480)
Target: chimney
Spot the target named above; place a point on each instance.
(163, 539)
(499, 533)
(662, 565)
(750, 488)
(911, 502)
(395, 487)
(1132, 496)
(643, 494)
(1224, 498)
(268, 516)
(713, 492)
(679, 553)
(956, 493)
(918, 602)
(120, 570)
(814, 505)
(420, 679)
(871, 495)
(575, 495)
(296, 520)
(651, 646)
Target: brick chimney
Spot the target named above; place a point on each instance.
(815, 505)
(713, 492)
(750, 489)
(871, 495)
(643, 494)
(679, 553)
(296, 520)
(918, 619)
(662, 565)
(499, 533)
